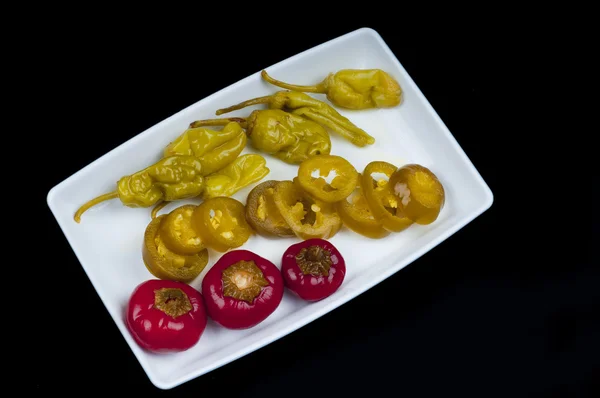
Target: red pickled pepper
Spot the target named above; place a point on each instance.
(242, 289)
(166, 316)
(313, 269)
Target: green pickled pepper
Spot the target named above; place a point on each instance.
(214, 149)
(171, 178)
(352, 88)
(289, 137)
(304, 105)
(245, 170)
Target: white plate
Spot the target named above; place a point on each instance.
(107, 242)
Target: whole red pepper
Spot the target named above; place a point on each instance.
(242, 289)
(166, 316)
(313, 269)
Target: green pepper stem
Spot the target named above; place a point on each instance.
(93, 202)
(318, 88)
(158, 208)
(254, 101)
(219, 122)
(342, 127)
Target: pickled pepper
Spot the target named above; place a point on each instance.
(357, 216)
(171, 178)
(382, 202)
(352, 88)
(214, 149)
(310, 108)
(243, 171)
(421, 194)
(221, 223)
(262, 213)
(164, 263)
(284, 135)
(177, 233)
(307, 217)
(313, 172)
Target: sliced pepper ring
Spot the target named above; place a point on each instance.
(356, 215)
(177, 232)
(308, 217)
(340, 187)
(421, 194)
(380, 198)
(166, 264)
(221, 223)
(262, 214)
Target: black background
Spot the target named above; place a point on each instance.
(495, 310)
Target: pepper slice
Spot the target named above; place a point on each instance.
(166, 264)
(420, 192)
(356, 215)
(177, 233)
(380, 198)
(262, 213)
(221, 223)
(307, 216)
(341, 186)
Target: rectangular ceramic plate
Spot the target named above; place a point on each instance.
(108, 240)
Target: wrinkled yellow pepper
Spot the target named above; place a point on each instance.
(171, 178)
(352, 88)
(310, 108)
(243, 171)
(215, 149)
(284, 135)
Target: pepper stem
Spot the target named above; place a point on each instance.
(340, 125)
(93, 202)
(219, 122)
(243, 281)
(314, 260)
(172, 301)
(254, 101)
(158, 208)
(318, 88)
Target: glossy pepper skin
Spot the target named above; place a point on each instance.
(420, 193)
(313, 269)
(357, 216)
(307, 217)
(288, 137)
(262, 213)
(352, 88)
(221, 223)
(310, 108)
(167, 264)
(177, 233)
(243, 171)
(340, 187)
(171, 178)
(242, 289)
(166, 316)
(214, 149)
(380, 198)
